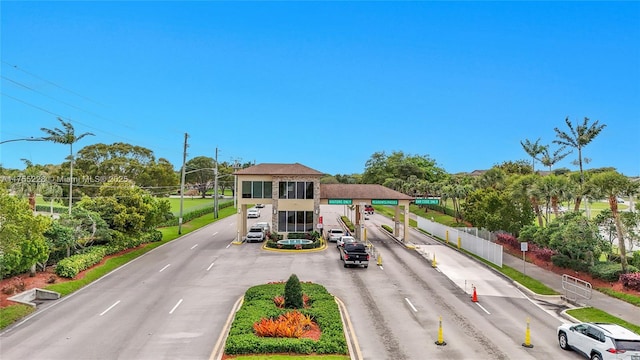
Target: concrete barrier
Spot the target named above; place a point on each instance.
(28, 297)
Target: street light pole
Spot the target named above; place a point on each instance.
(184, 166)
(215, 188)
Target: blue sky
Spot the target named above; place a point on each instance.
(325, 84)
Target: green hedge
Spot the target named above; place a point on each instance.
(195, 214)
(258, 303)
(609, 271)
(56, 209)
(71, 266)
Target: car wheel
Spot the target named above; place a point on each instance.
(345, 265)
(596, 357)
(562, 340)
(366, 266)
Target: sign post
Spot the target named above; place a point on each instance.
(524, 247)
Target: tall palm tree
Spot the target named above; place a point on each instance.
(66, 136)
(533, 150)
(611, 184)
(578, 137)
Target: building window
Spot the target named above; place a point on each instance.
(295, 221)
(256, 190)
(296, 189)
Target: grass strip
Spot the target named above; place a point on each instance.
(631, 299)
(11, 314)
(590, 314)
(291, 357)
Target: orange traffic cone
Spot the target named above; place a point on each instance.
(474, 298)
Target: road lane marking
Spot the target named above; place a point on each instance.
(231, 243)
(110, 307)
(485, 310)
(175, 307)
(410, 304)
(166, 266)
(210, 266)
(215, 233)
(194, 246)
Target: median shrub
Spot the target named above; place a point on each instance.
(608, 271)
(293, 293)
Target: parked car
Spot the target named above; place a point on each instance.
(333, 235)
(345, 240)
(600, 341)
(259, 206)
(253, 213)
(368, 210)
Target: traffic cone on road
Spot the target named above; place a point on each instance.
(474, 298)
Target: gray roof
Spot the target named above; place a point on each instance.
(279, 169)
(360, 191)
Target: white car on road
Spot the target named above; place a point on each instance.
(253, 213)
(600, 341)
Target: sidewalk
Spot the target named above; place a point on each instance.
(598, 300)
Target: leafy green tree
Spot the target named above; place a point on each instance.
(578, 137)
(497, 210)
(66, 136)
(200, 173)
(28, 183)
(519, 167)
(59, 240)
(51, 192)
(578, 238)
(87, 228)
(126, 208)
(381, 168)
(23, 244)
(293, 293)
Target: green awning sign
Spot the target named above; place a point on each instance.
(340, 201)
(430, 201)
(384, 202)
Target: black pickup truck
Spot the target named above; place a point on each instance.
(354, 254)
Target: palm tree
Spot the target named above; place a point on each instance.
(533, 150)
(578, 138)
(66, 136)
(612, 184)
(549, 159)
(27, 186)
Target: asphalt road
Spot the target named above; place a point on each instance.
(172, 303)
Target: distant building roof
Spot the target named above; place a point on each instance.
(279, 169)
(360, 191)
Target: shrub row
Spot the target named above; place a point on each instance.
(387, 228)
(71, 266)
(258, 304)
(195, 214)
(56, 209)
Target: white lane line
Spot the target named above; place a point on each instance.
(381, 268)
(194, 246)
(110, 307)
(166, 266)
(210, 266)
(175, 307)
(226, 247)
(485, 310)
(410, 304)
(215, 233)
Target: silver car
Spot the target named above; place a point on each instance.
(600, 341)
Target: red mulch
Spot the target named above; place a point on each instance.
(23, 282)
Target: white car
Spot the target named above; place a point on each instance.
(345, 240)
(333, 235)
(600, 341)
(253, 213)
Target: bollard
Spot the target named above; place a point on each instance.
(433, 262)
(527, 337)
(440, 341)
(379, 259)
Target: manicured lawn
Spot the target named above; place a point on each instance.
(595, 315)
(292, 357)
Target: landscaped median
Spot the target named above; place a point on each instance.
(294, 318)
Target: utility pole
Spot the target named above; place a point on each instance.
(184, 166)
(215, 188)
